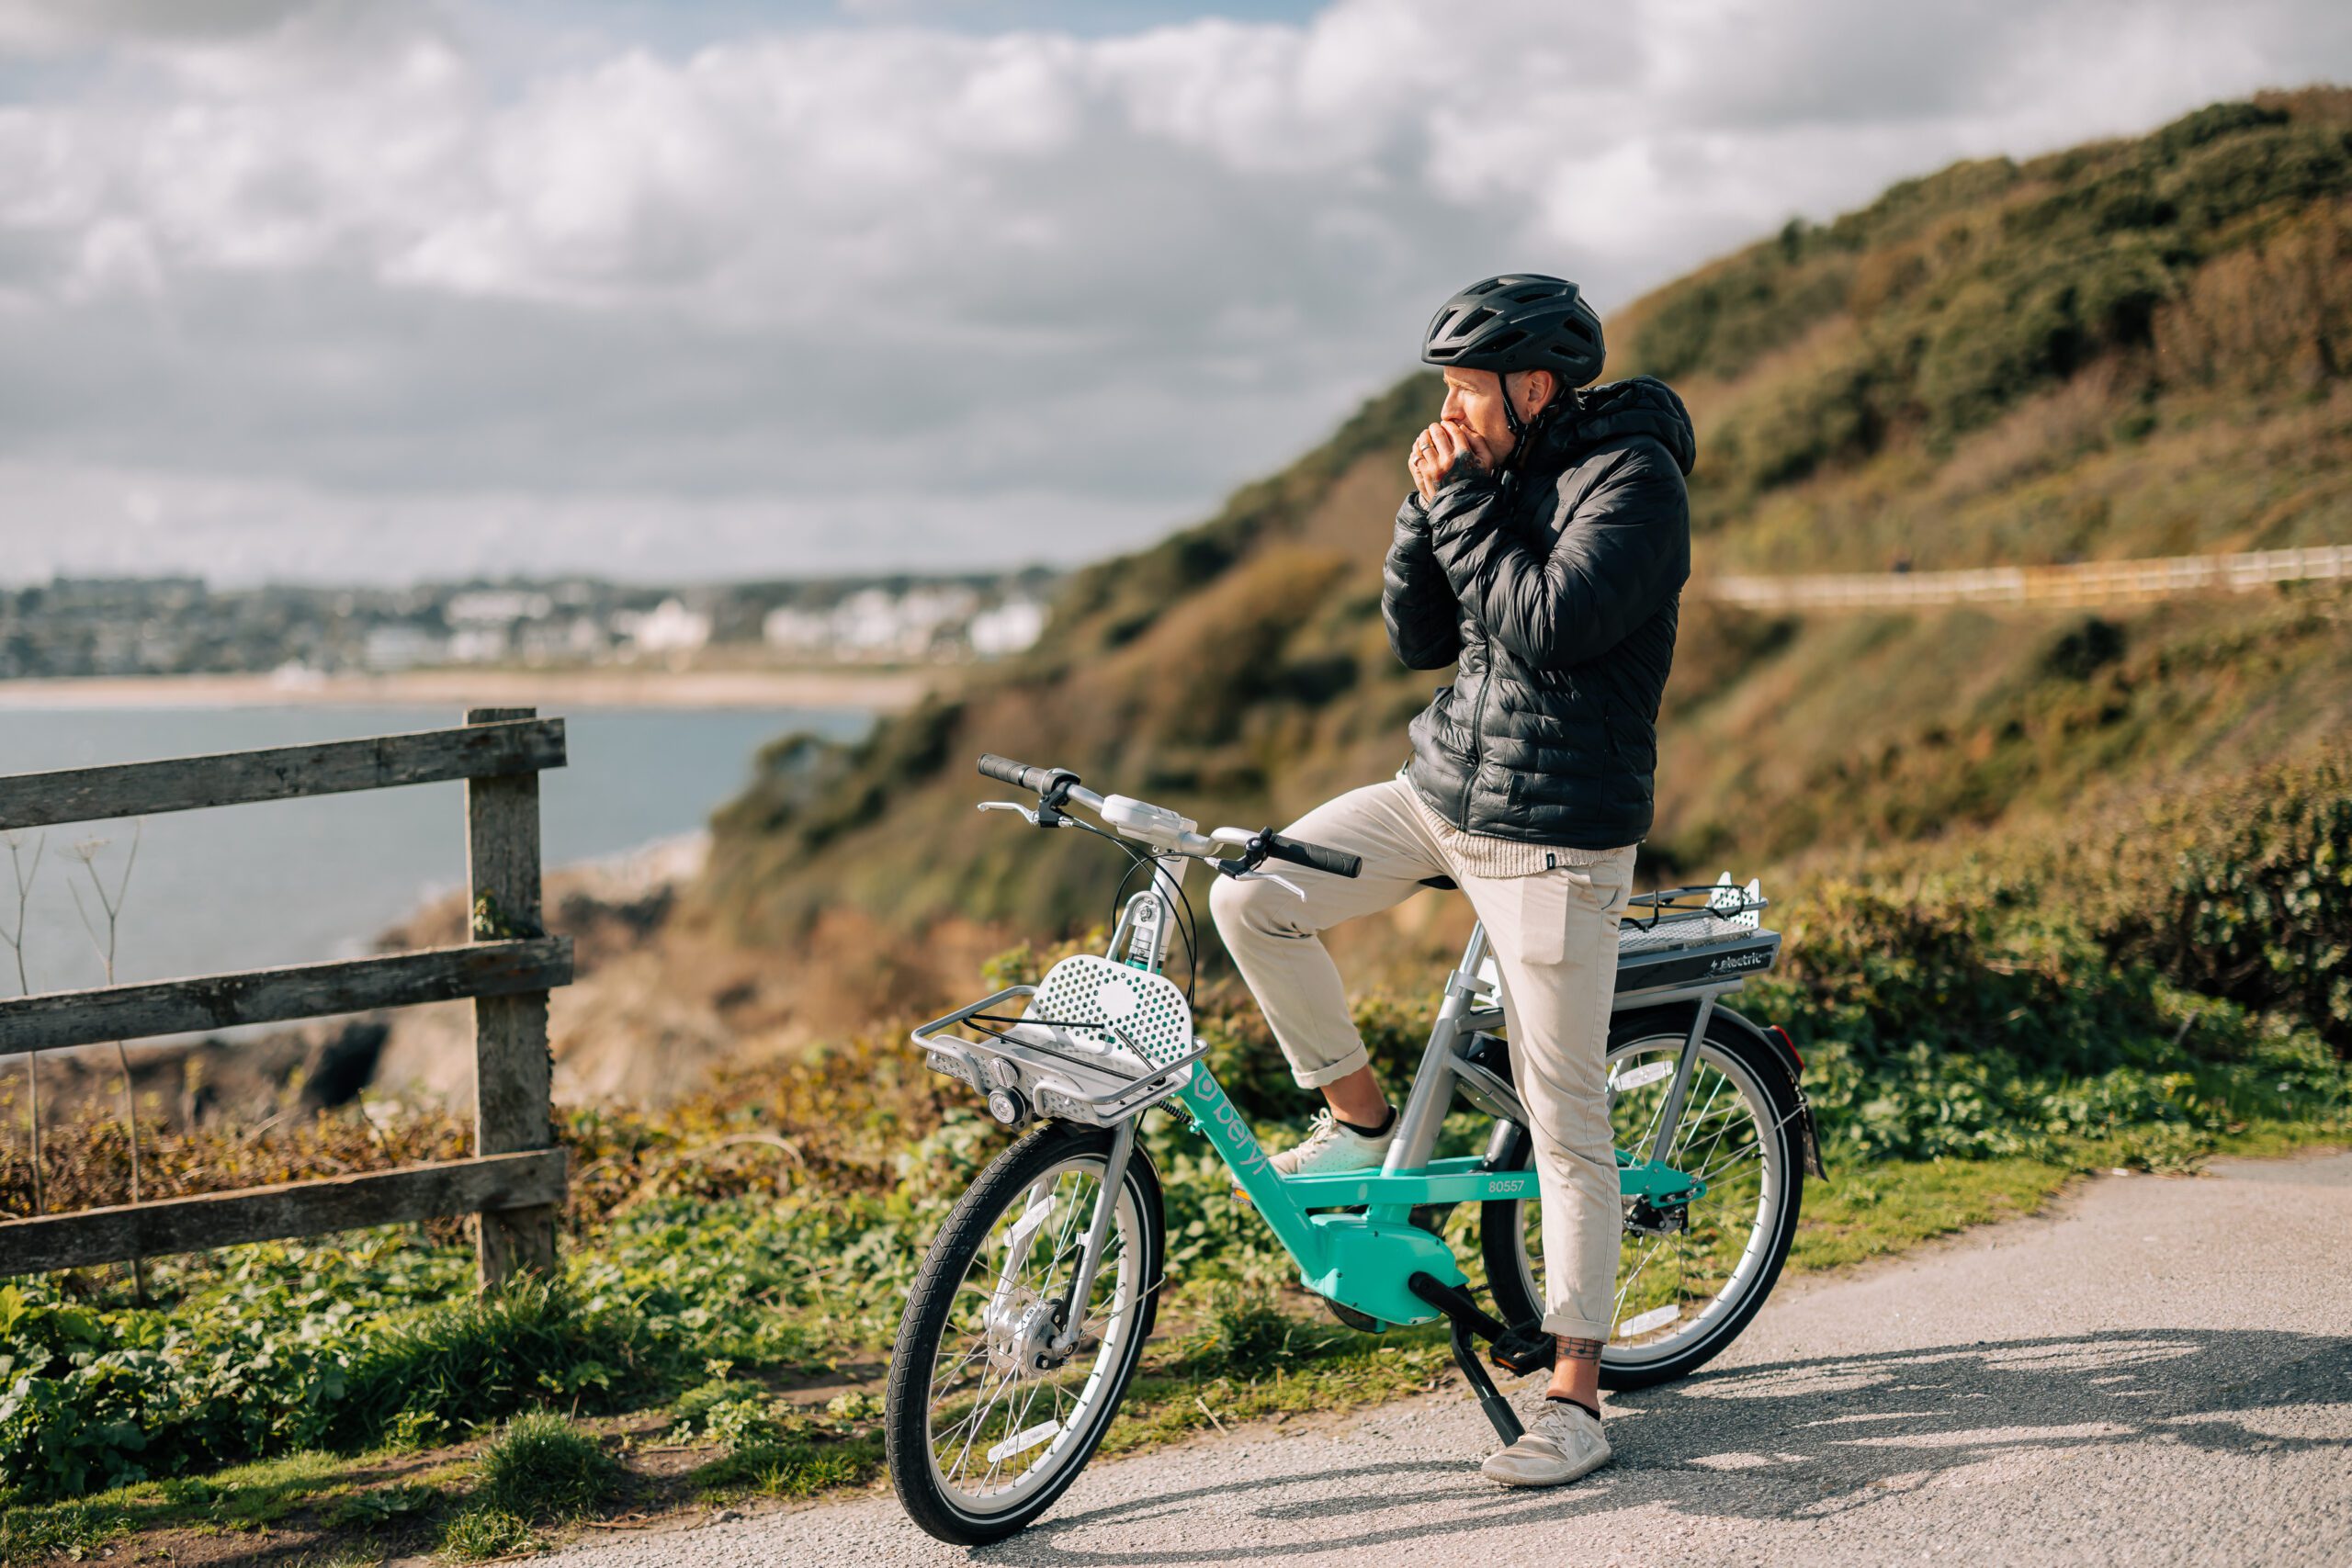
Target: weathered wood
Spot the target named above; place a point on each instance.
(266, 1213)
(233, 778)
(271, 996)
(513, 1069)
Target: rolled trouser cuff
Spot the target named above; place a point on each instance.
(1316, 1077)
(1562, 1327)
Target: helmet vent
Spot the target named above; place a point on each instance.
(1516, 322)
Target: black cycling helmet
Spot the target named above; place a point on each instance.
(1521, 321)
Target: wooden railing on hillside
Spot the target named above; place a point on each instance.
(515, 1181)
(2076, 585)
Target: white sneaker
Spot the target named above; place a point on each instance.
(1562, 1442)
(1331, 1146)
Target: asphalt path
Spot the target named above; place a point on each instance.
(2158, 1372)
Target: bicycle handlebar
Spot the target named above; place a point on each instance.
(1021, 775)
(1058, 787)
(1339, 862)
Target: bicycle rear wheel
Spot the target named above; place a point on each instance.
(1682, 1296)
(982, 1438)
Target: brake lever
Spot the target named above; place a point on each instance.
(1276, 879)
(1011, 806)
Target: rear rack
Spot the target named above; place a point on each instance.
(1699, 935)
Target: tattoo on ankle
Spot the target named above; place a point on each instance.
(1579, 1349)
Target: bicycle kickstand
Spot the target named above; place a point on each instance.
(1519, 1352)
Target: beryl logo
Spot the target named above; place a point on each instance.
(1204, 1093)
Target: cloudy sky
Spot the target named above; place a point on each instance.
(383, 289)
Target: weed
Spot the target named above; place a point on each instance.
(480, 1533)
(544, 1470)
(70, 1531)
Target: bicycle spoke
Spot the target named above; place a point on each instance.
(1753, 1151)
(1626, 1288)
(994, 1430)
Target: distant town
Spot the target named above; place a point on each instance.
(175, 626)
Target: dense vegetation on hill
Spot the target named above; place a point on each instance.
(2134, 347)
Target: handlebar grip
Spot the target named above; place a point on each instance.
(1020, 776)
(1339, 862)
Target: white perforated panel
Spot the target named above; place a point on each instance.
(1148, 1008)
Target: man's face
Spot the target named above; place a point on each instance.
(1475, 397)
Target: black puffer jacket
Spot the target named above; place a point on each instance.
(1555, 590)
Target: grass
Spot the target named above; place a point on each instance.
(485, 1532)
(1879, 1211)
(543, 1469)
(1235, 1354)
(247, 1499)
(790, 1468)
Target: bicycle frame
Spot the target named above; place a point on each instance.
(1352, 1233)
(1365, 1259)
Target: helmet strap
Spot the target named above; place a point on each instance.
(1522, 429)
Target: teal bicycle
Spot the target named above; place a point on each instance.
(1030, 1312)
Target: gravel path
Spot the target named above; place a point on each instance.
(2160, 1372)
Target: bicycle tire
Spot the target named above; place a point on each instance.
(907, 1405)
(1502, 1224)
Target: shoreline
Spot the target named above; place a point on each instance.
(882, 691)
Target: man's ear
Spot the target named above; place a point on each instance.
(1542, 386)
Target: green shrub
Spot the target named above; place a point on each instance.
(543, 1469)
(478, 1534)
(2245, 893)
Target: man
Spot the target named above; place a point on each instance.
(1542, 552)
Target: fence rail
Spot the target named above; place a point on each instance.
(294, 1208)
(2074, 585)
(516, 1181)
(496, 750)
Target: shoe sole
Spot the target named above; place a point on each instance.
(1574, 1474)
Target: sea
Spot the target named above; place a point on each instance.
(290, 882)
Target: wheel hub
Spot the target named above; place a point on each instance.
(1021, 1332)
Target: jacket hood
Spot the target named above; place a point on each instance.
(1640, 405)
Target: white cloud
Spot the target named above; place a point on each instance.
(363, 286)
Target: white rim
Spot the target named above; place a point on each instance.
(1706, 1122)
(1031, 1421)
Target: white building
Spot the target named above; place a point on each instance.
(668, 628)
(402, 645)
(495, 607)
(1008, 628)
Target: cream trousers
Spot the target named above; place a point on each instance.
(1554, 939)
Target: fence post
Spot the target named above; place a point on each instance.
(512, 1067)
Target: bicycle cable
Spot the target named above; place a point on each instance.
(1187, 923)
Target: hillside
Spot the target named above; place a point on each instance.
(2132, 347)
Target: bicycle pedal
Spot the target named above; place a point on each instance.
(1524, 1350)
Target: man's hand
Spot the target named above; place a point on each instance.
(1437, 449)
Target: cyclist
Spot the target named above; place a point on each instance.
(1541, 551)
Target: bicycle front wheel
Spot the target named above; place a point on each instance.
(993, 1410)
(1683, 1294)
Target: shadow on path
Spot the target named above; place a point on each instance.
(1786, 1440)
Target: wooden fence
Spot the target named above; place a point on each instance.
(516, 1179)
(2079, 584)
